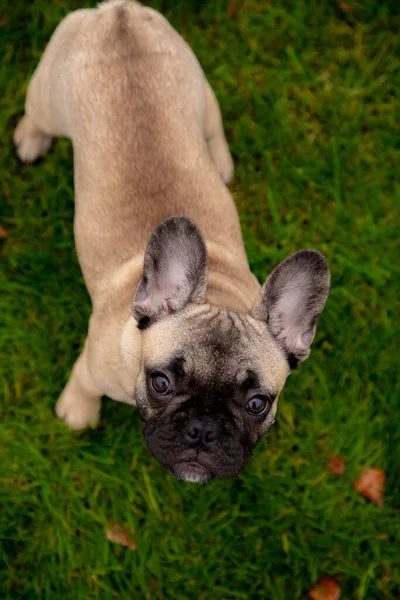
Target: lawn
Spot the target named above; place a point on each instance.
(309, 91)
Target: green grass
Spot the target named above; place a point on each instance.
(310, 98)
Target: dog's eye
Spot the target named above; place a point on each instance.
(160, 384)
(257, 406)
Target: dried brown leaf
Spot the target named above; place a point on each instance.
(337, 465)
(325, 589)
(3, 233)
(121, 535)
(370, 484)
(232, 9)
(345, 7)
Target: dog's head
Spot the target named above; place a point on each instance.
(210, 377)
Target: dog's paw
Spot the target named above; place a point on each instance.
(78, 411)
(30, 143)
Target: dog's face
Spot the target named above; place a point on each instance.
(210, 378)
(208, 390)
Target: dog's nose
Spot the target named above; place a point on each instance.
(197, 431)
(194, 430)
(210, 432)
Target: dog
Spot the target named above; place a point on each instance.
(180, 326)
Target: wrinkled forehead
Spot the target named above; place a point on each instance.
(215, 343)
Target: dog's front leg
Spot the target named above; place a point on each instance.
(80, 402)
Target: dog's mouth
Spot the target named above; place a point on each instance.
(192, 471)
(196, 463)
(195, 466)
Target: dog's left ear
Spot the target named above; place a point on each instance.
(174, 271)
(292, 299)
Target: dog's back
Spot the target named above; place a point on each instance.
(119, 68)
(148, 141)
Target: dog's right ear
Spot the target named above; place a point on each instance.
(174, 271)
(291, 301)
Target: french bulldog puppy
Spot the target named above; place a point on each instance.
(180, 327)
